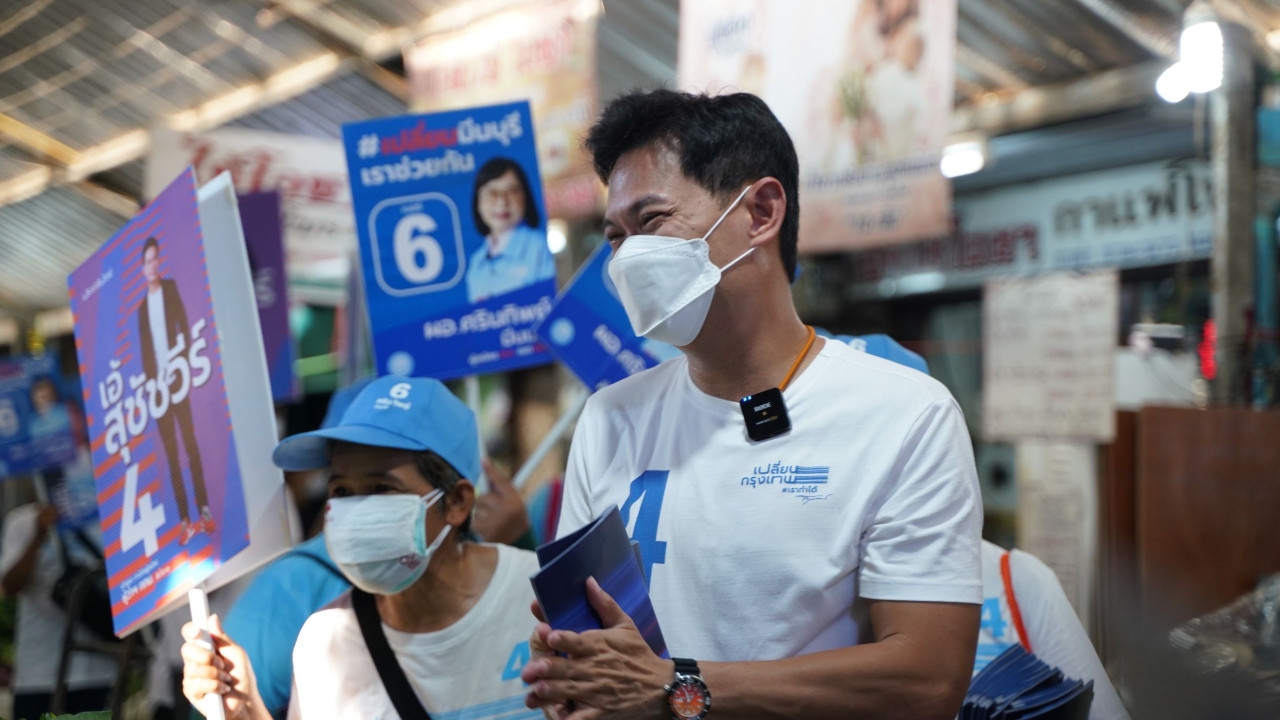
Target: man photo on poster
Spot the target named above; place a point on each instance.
(162, 324)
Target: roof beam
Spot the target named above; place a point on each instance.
(1157, 43)
(334, 27)
(35, 141)
(1047, 104)
(988, 68)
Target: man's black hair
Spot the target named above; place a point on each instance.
(442, 476)
(492, 170)
(151, 243)
(725, 143)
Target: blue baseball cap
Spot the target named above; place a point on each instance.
(394, 412)
(340, 400)
(881, 346)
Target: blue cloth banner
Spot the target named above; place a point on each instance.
(587, 328)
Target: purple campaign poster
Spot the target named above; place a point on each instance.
(164, 456)
(260, 217)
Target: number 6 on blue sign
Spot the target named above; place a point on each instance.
(416, 244)
(411, 240)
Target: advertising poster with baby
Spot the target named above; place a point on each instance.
(170, 495)
(868, 104)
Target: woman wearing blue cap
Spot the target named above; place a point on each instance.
(436, 624)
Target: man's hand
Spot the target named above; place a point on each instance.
(47, 516)
(609, 673)
(226, 672)
(500, 514)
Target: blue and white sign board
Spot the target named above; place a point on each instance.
(588, 329)
(453, 243)
(35, 420)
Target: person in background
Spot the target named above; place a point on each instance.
(515, 252)
(830, 571)
(1023, 603)
(453, 611)
(30, 565)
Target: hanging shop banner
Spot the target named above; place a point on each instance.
(170, 430)
(1048, 357)
(453, 240)
(544, 53)
(260, 217)
(309, 173)
(36, 422)
(867, 104)
(587, 328)
(1149, 214)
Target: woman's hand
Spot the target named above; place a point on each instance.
(226, 673)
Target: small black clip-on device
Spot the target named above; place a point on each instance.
(765, 414)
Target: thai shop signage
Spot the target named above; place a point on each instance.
(1150, 214)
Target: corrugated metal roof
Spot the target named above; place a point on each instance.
(85, 71)
(78, 73)
(44, 238)
(319, 112)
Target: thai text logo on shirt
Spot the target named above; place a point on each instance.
(792, 479)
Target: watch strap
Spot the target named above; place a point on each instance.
(686, 666)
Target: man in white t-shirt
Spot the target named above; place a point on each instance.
(30, 565)
(828, 569)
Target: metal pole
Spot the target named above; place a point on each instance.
(557, 431)
(1231, 112)
(471, 388)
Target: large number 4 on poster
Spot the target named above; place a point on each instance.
(146, 529)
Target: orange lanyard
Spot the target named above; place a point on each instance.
(796, 365)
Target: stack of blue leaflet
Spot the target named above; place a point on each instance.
(600, 549)
(1017, 685)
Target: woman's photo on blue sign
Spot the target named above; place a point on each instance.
(49, 414)
(515, 253)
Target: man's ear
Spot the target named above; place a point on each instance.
(767, 204)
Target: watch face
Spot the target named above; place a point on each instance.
(688, 700)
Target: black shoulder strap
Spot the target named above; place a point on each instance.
(329, 568)
(396, 684)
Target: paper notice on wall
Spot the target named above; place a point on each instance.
(1048, 356)
(1057, 513)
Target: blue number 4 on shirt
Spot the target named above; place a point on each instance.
(652, 485)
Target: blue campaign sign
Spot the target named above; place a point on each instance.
(453, 240)
(588, 330)
(36, 421)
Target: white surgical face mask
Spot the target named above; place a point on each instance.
(379, 541)
(666, 283)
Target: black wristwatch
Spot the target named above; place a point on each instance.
(687, 695)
